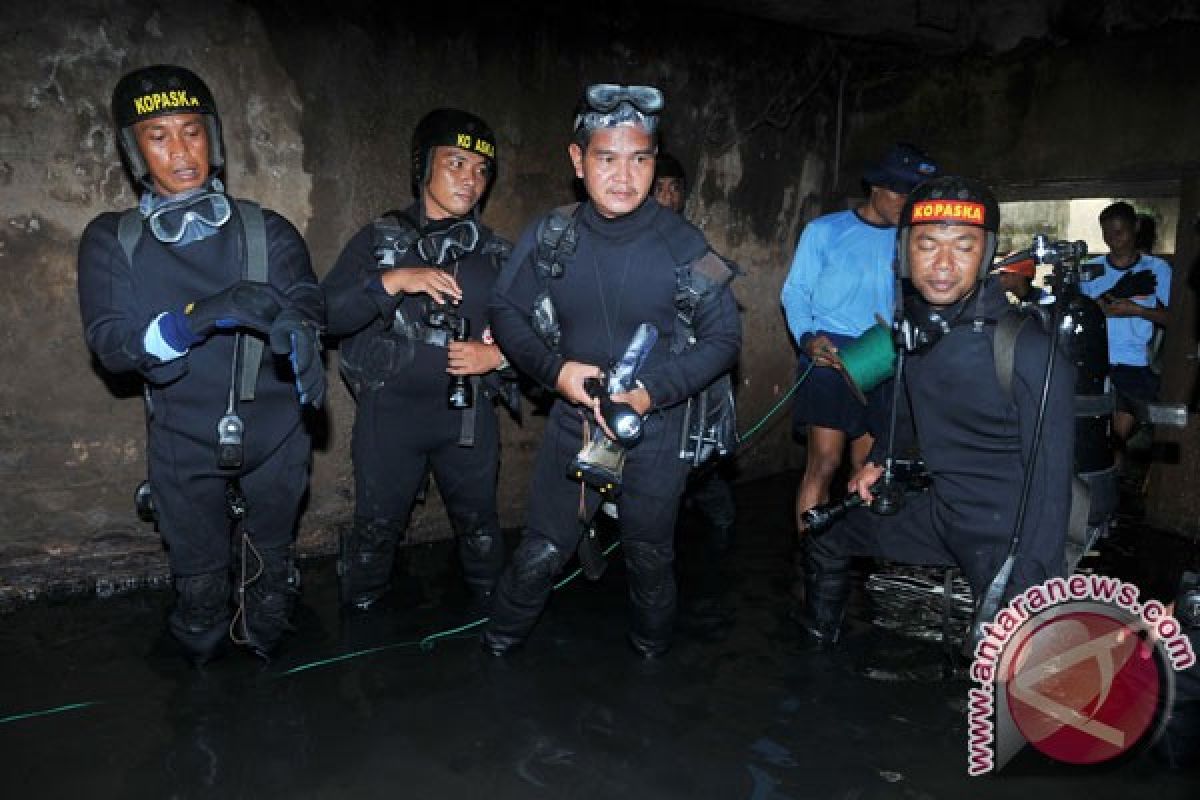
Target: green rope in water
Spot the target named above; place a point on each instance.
(47, 712)
(427, 643)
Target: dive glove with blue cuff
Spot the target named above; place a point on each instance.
(245, 304)
(297, 337)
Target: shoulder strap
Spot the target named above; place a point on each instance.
(1004, 348)
(254, 228)
(396, 218)
(254, 268)
(129, 232)
(392, 235)
(556, 240)
(498, 248)
(693, 283)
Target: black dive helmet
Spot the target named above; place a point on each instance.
(949, 200)
(158, 91)
(450, 127)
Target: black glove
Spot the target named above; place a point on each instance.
(297, 337)
(1134, 284)
(246, 304)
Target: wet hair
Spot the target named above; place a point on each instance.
(1121, 210)
(1146, 233)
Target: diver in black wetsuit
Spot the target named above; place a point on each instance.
(164, 292)
(409, 293)
(622, 273)
(975, 438)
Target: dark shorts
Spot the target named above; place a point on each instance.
(825, 399)
(1135, 387)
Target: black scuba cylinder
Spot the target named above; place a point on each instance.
(1083, 337)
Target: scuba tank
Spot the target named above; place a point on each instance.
(1083, 339)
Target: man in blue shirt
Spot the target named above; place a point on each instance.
(841, 280)
(1134, 305)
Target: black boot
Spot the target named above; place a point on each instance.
(652, 597)
(200, 619)
(366, 557)
(826, 581)
(1179, 744)
(521, 593)
(267, 596)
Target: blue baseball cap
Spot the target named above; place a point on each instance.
(901, 169)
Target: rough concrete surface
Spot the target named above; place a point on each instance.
(318, 101)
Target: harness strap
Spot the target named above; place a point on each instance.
(254, 268)
(556, 238)
(693, 283)
(129, 231)
(1004, 348)
(1008, 328)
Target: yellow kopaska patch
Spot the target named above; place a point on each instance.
(947, 211)
(482, 146)
(150, 103)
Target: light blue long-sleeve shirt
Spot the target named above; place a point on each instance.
(1128, 336)
(841, 276)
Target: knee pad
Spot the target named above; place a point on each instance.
(268, 596)
(651, 569)
(482, 555)
(523, 589)
(366, 555)
(648, 558)
(200, 619)
(536, 561)
(373, 536)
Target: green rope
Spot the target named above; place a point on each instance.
(427, 643)
(347, 656)
(754, 428)
(47, 712)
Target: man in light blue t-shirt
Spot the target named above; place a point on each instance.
(1134, 290)
(840, 281)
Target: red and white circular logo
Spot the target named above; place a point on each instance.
(1083, 686)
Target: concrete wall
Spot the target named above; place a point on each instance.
(1118, 108)
(317, 103)
(1046, 120)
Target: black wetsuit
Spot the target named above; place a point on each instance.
(975, 442)
(622, 274)
(185, 398)
(403, 426)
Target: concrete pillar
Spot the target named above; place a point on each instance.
(1173, 499)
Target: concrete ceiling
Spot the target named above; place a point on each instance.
(955, 26)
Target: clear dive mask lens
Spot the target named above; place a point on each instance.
(607, 96)
(170, 221)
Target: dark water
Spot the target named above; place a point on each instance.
(738, 709)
